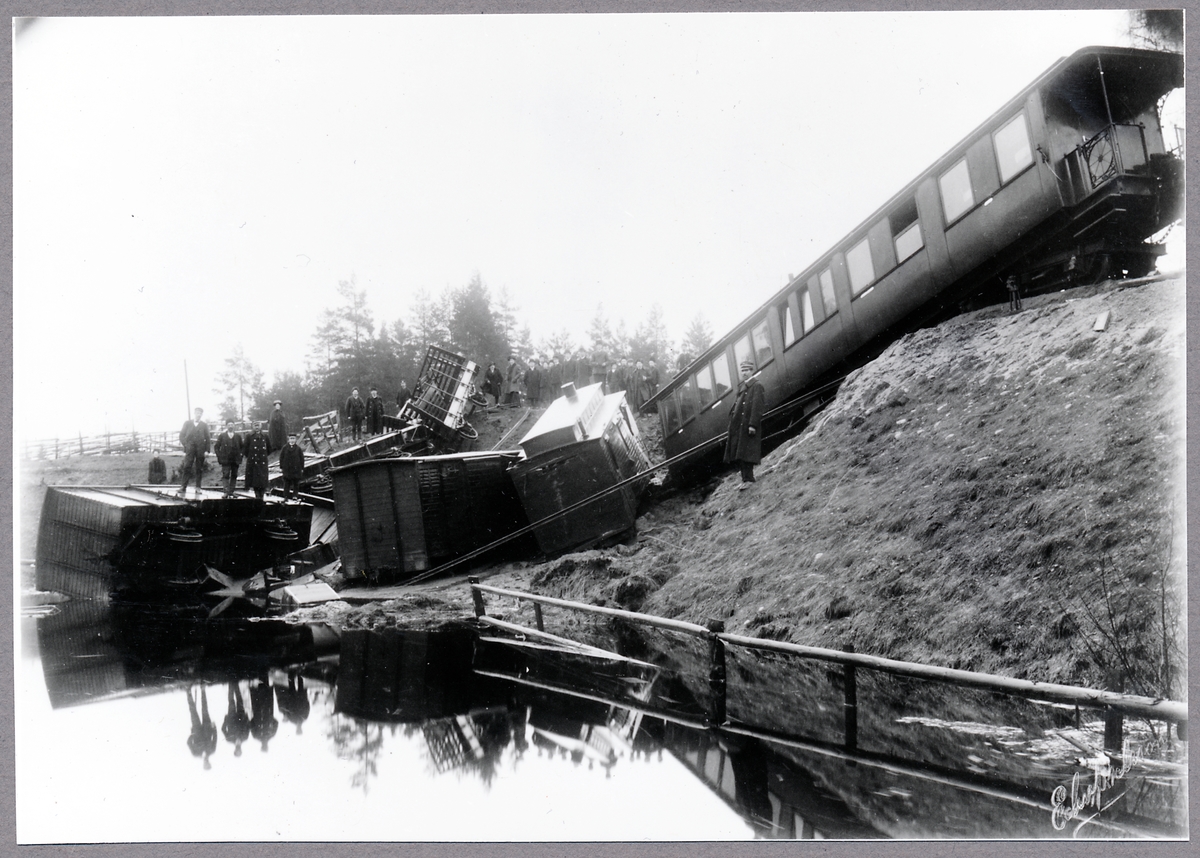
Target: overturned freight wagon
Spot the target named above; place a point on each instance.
(95, 540)
(400, 516)
(441, 402)
(584, 443)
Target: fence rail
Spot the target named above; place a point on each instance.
(1114, 706)
(98, 445)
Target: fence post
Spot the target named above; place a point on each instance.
(1114, 730)
(716, 673)
(476, 596)
(81, 443)
(850, 709)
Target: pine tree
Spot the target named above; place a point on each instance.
(241, 382)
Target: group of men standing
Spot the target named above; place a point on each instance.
(369, 410)
(232, 449)
(637, 380)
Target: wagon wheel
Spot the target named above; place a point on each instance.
(1096, 270)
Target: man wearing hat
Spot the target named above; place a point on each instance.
(277, 432)
(228, 448)
(195, 439)
(291, 462)
(356, 411)
(374, 413)
(744, 444)
(257, 448)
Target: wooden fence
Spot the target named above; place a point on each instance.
(319, 435)
(98, 445)
(1115, 706)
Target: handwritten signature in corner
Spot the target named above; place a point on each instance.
(1103, 777)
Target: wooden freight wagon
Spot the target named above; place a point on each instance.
(584, 443)
(441, 400)
(400, 516)
(93, 540)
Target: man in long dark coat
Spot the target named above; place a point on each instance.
(404, 395)
(744, 445)
(195, 438)
(374, 413)
(277, 432)
(257, 450)
(228, 448)
(533, 384)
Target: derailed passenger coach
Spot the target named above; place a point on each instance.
(1062, 185)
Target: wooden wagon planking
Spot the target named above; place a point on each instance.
(406, 515)
(584, 444)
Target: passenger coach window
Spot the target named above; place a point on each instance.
(906, 231)
(704, 386)
(720, 368)
(862, 270)
(742, 351)
(957, 196)
(785, 319)
(670, 413)
(687, 403)
(806, 311)
(1013, 152)
(762, 344)
(827, 293)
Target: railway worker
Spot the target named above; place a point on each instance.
(257, 449)
(744, 444)
(195, 439)
(158, 469)
(228, 448)
(277, 427)
(374, 413)
(291, 462)
(1014, 293)
(356, 411)
(653, 378)
(404, 395)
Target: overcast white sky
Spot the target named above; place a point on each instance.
(183, 185)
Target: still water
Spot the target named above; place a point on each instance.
(138, 722)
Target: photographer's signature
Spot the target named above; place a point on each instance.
(1087, 793)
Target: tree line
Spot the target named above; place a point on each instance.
(350, 349)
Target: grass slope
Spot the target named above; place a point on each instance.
(1001, 493)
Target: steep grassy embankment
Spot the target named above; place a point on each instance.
(1002, 493)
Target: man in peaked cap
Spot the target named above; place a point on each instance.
(744, 444)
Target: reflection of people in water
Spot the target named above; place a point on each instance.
(236, 725)
(203, 740)
(749, 763)
(263, 723)
(293, 700)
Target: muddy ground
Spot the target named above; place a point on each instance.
(1001, 493)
